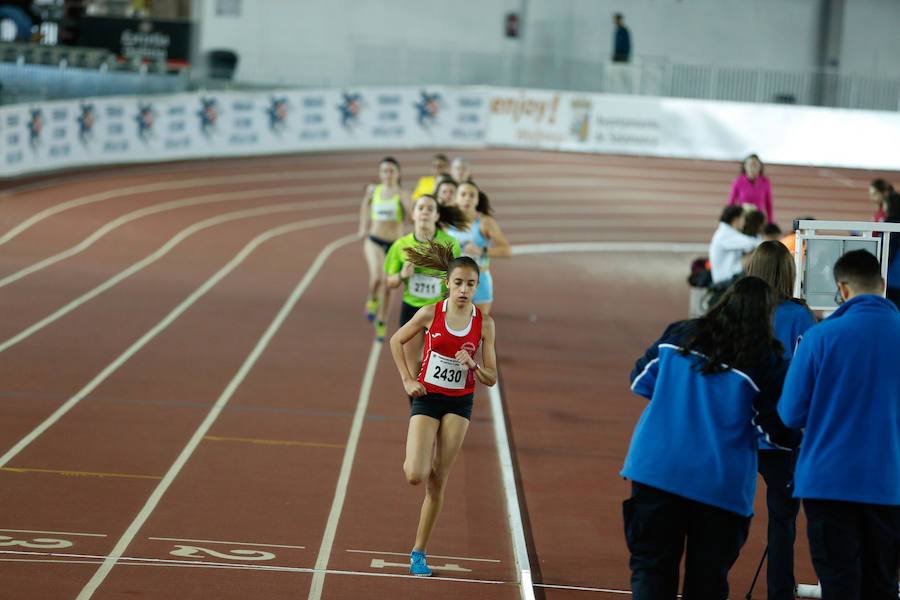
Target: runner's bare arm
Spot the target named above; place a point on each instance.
(413, 327)
(396, 280)
(364, 210)
(500, 247)
(406, 201)
(487, 372)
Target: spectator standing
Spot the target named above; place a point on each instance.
(843, 389)
(621, 40)
(692, 458)
(753, 188)
(729, 245)
(772, 263)
(879, 190)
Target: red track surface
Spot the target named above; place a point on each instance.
(261, 477)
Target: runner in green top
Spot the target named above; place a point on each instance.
(421, 287)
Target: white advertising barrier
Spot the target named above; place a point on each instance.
(682, 128)
(54, 135)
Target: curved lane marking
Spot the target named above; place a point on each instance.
(153, 210)
(163, 324)
(162, 251)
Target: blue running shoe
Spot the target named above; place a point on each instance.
(417, 564)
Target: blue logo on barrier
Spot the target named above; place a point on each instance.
(427, 109)
(87, 116)
(209, 115)
(278, 113)
(350, 110)
(145, 118)
(35, 127)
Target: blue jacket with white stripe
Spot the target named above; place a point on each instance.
(697, 438)
(843, 387)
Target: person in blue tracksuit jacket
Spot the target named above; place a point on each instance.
(772, 263)
(712, 384)
(843, 388)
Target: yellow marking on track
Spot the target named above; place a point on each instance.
(215, 438)
(79, 473)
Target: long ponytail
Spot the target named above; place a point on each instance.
(439, 257)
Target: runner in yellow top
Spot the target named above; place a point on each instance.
(440, 164)
(382, 215)
(421, 286)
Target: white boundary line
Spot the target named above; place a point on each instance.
(561, 248)
(513, 513)
(160, 326)
(53, 532)
(159, 253)
(579, 588)
(114, 224)
(163, 562)
(154, 499)
(490, 560)
(167, 539)
(340, 492)
(149, 188)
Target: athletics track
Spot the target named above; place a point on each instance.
(192, 405)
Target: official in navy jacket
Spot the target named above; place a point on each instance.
(712, 385)
(843, 388)
(772, 263)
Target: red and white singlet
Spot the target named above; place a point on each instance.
(441, 373)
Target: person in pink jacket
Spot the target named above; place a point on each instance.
(752, 188)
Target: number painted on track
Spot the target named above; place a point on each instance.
(35, 543)
(198, 552)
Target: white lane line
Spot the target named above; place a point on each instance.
(665, 247)
(161, 252)
(340, 493)
(602, 222)
(578, 588)
(54, 532)
(221, 402)
(489, 560)
(513, 513)
(149, 188)
(162, 325)
(166, 539)
(152, 210)
(163, 562)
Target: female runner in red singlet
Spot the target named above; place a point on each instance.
(441, 395)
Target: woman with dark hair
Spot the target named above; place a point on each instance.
(772, 263)
(441, 395)
(713, 384)
(382, 215)
(879, 190)
(421, 286)
(753, 188)
(482, 239)
(445, 190)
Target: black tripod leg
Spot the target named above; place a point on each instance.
(755, 577)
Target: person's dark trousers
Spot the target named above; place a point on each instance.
(657, 527)
(855, 548)
(777, 469)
